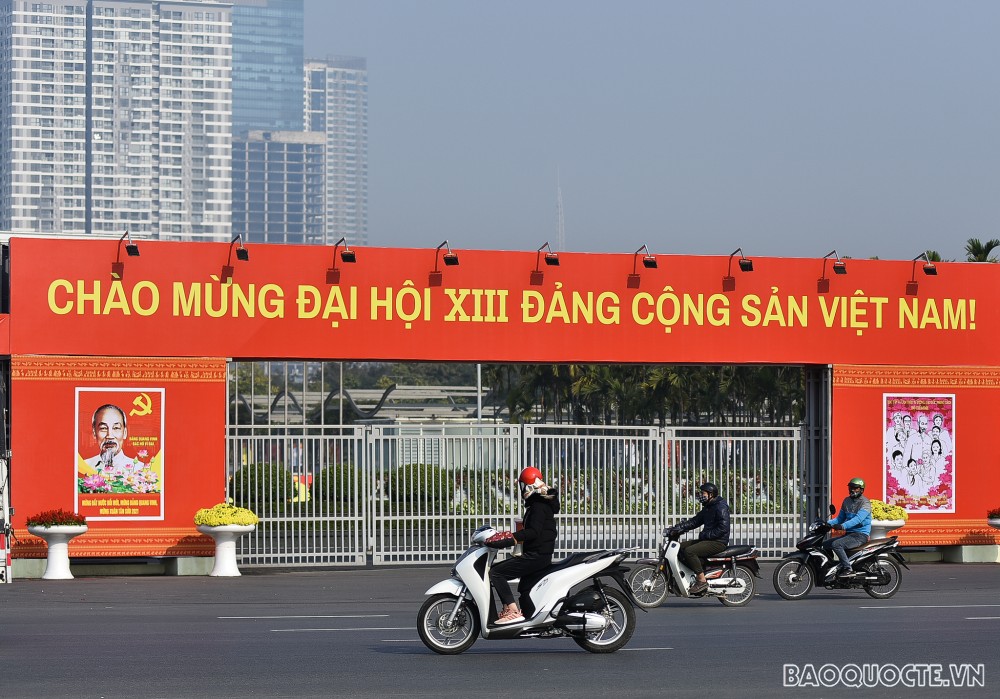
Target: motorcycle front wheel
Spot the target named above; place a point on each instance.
(884, 567)
(649, 586)
(442, 637)
(738, 599)
(621, 625)
(792, 583)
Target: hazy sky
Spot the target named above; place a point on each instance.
(786, 128)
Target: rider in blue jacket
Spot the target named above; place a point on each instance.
(855, 519)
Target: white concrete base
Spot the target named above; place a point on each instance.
(932, 556)
(190, 565)
(989, 553)
(34, 568)
(27, 568)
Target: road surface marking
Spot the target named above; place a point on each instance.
(362, 628)
(311, 616)
(931, 606)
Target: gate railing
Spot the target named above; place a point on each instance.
(397, 494)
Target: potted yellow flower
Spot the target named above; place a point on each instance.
(886, 518)
(225, 523)
(57, 527)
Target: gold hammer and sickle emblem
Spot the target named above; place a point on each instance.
(143, 405)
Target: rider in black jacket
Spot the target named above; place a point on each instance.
(537, 538)
(714, 537)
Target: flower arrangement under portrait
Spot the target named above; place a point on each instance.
(57, 518)
(224, 514)
(883, 511)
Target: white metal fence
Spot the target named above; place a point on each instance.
(396, 494)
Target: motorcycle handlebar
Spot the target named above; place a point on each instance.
(671, 533)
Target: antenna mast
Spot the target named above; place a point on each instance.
(560, 222)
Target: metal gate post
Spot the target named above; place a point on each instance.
(816, 436)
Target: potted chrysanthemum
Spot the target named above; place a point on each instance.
(57, 527)
(993, 518)
(225, 523)
(886, 518)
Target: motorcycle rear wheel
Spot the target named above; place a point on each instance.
(739, 599)
(792, 583)
(437, 634)
(621, 625)
(895, 578)
(648, 585)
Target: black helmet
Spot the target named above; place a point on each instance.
(710, 488)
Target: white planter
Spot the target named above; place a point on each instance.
(882, 527)
(57, 538)
(225, 546)
(995, 523)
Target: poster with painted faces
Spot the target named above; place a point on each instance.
(919, 451)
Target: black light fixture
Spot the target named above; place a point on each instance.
(242, 254)
(551, 258)
(450, 260)
(746, 265)
(839, 267)
(346, 255)
(929, 269)
(648, 261)
(131, 250)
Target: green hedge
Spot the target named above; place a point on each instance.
(337, 483)
(424, 482)
(263, 488)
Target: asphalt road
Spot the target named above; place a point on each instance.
(352, 633)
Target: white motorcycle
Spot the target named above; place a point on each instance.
(599, 618)
(731, 574)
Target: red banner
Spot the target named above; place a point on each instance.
(285, 301)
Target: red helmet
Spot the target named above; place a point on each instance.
(530, 475)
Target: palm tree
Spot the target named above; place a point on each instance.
(979, 252)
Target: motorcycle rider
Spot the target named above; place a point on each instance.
(537, 537)
(855, 520)
(714, 520)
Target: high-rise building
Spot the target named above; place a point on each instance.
(114, 115)
(268, 37)
(278, 192)
(337, 106)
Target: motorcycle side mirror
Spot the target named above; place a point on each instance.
(833, 510)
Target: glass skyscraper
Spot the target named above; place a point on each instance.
(116, 115)
(278, 193)
(337, 105)
(267, 65)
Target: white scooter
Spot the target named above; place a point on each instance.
(599, 618)
(731, 574)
